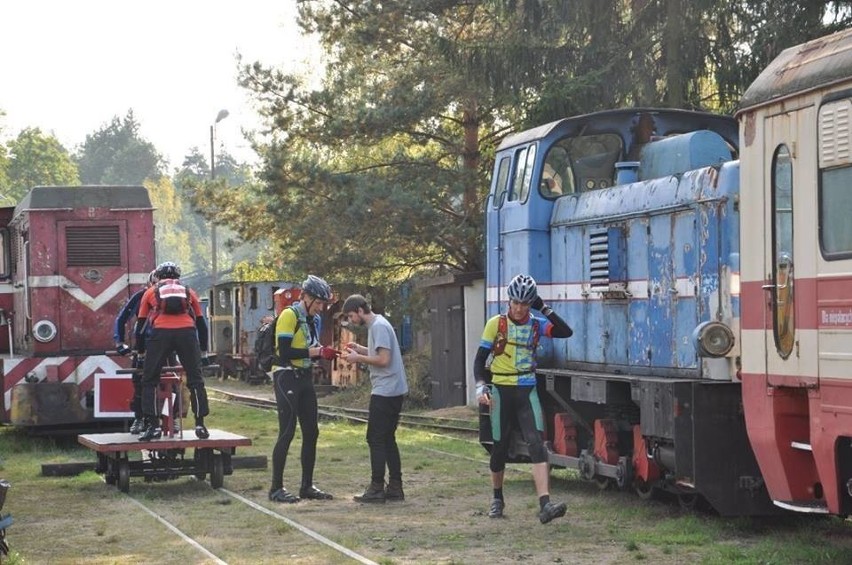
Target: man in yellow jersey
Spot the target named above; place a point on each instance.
(296, 344)
(509, 387)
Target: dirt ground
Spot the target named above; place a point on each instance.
(443, 519)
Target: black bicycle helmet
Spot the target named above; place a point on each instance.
(168, 270)
(522, 289)
(317, 288)
(152, 277)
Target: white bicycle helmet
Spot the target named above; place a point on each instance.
(168, 270)
(522, 289)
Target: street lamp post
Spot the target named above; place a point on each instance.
(213, 244)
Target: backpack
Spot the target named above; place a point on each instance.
(264, 346)
(172, 297)
(502, 337)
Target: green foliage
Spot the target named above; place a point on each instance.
(117, 154)
(38, 159)
(382, 170)
(204, 201)
(378, 174)
(417, 365)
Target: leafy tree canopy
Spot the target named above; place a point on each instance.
(383, 169)
(199, 199)
(117, 154)
(38, 159)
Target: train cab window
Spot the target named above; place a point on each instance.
(524, 163)
(501, 186)
(556, 178)
(782, 245)
(588, 161)
(835, 179)
(225, 298)
(253, 298)
(5, 255)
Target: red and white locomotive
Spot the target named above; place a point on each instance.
(70, 258)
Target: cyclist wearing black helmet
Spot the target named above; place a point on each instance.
(296, 344)
(175, 324)
(509, 387)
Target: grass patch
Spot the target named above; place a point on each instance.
(443, 519)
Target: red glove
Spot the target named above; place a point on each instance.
(328, 352)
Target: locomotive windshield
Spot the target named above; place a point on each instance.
(580, 164)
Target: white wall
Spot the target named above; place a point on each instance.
(474, 322)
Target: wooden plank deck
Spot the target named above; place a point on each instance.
(118, 442)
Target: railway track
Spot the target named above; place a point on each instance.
(456, 425)
(209, 554)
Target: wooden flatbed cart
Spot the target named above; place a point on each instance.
(164, 458)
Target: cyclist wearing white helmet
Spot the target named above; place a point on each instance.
(509, 387)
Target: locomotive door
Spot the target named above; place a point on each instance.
(789, 245)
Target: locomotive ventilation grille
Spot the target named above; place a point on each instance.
(599, 259)
(93, 245)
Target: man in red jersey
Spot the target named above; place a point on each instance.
(174, 323)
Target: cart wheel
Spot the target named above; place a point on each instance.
(217, 472)
(124, 475)
(200, 457)
(110, 473)
(101, 466)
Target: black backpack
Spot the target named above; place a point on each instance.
(264, 346)
(172, 297)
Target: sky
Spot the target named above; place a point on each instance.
(69, 67)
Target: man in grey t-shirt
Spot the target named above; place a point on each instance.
(389, 385)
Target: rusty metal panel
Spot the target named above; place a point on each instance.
(813, 64)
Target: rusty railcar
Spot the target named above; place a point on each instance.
(242, 307)
(71, 257)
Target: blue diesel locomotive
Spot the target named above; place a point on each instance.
(705, 264)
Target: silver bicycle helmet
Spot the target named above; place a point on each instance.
(317, 288)
(522, 289)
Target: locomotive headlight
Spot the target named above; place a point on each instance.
(44, 331)
(713, 339)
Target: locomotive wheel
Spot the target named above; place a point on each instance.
(688, 501)
(603, 483)
(624, 473)
(124, 475)
(644, 490)
(217, 472)
(586, 466)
